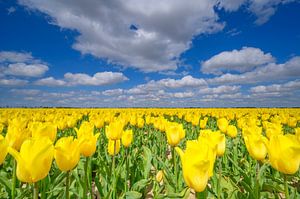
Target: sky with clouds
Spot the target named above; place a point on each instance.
(150, 53)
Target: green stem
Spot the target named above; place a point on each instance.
(174, 167)
(286, 187)
(90, 171)
(14, 179)
(126, 164)
(85, 187)
(36, 191)
(67, 184)
(220, 178)
(257, 188)
(113, 170)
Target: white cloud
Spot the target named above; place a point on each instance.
(277, 88)
(268, 73)
(183, 94)
(164, 28)
(231, 5)
(113, 92)
(13, 82)
(74, 79)
(50, 81)
(25, 92)
(220, 89)
(242, 60)
(25, 70)
(98, 79)
(13, 56)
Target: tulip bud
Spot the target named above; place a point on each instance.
(67, 153)
(127, 138)
(112, 149)
(3, 149)
(34, 159)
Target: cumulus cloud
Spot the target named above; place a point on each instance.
(162, 29)
(25, 70)
(75, 79)
(220, 89)
(13, 82)
(242, 60)
(50, 81)
(268, 73)
(13, 57)
(277, 88)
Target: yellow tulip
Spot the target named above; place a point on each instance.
(87, 139)
(16, 135)
(111, 147)
(284, 153)
(215, 139)
(159, 176)
(175, 133)
(203, 123)
(127, 138)
(231, 131)
(34, 159)
(39, 129)
(3, 149)
(256, 146)
(222, 124)
(67, 153)
(196, 162)
(114, 130)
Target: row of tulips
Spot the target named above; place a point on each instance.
(34, 142)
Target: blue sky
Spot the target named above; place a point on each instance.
(208, 53)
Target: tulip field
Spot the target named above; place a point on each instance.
(150, 153)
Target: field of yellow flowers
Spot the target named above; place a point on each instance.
(149, 153)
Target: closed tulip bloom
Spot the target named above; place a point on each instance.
(47, 129)
(67, 153)
(159, 176)
(3, 149)
(203, 123)
(111, 147)
(196, 163)
(255, 144)
(231, 131)
(87, 139)
(215, 138)
(34, 159)
(222, 124)
(114, 130)
(175, 133)
(16, 135)
(284, 153)
(127, 138)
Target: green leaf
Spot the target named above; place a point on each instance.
(147, 161)
(139, 185)
(133, 195)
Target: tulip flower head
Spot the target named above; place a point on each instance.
(222, 124)
(67, 153)
(34, 159)
(127, 137)
(196, 161)
(111, 147)
(3, 149)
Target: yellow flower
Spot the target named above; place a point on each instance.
(34, 159)
(67, 153)
(175, 133)
(127, 138)
(16, 135)
(39, 129)
(231, 131)
(215, 139)
(203, 123)
(114, 130)
(255, 144)
(87, 139)
(3, 149)
(196, 161)
(284, 153)
(159, 176)
(222, 124)
(111, 147)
